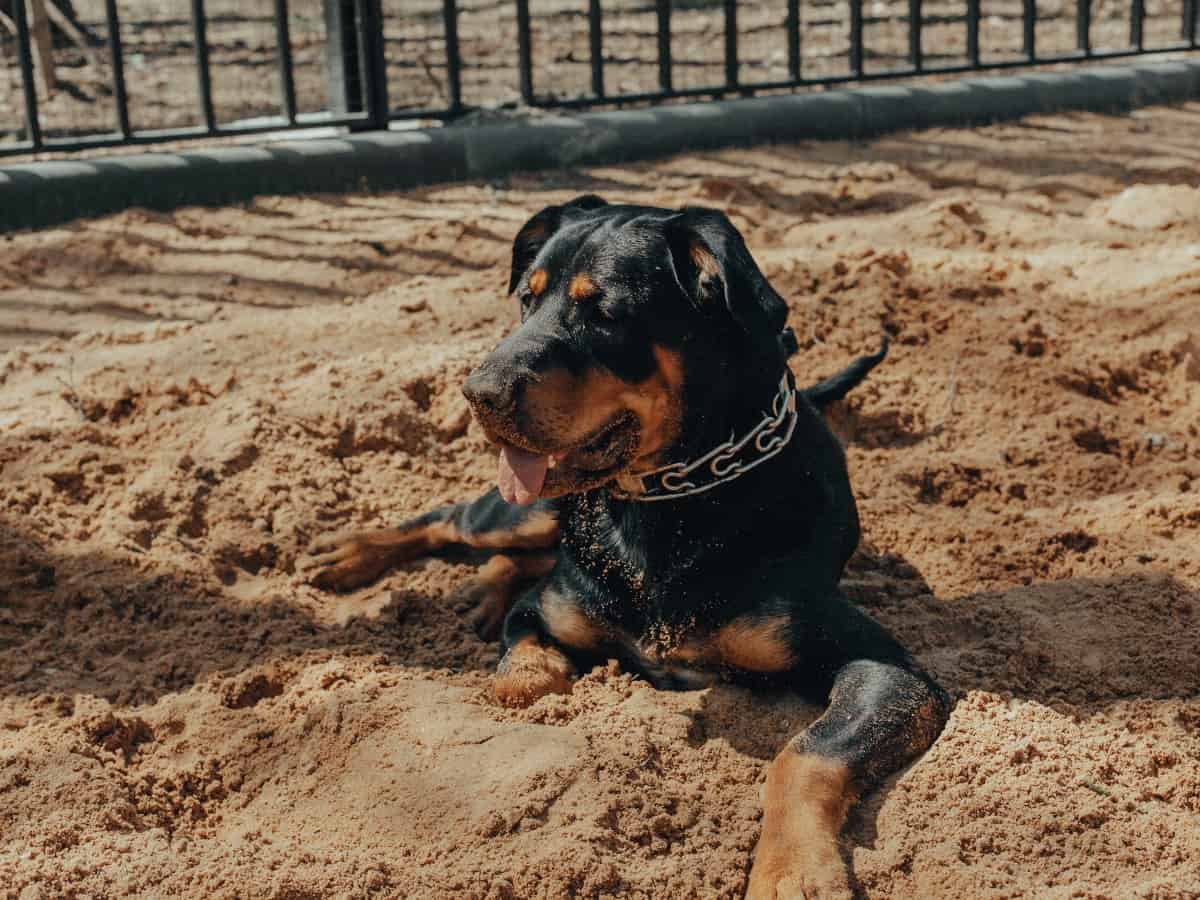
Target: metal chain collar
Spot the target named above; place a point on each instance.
(725, 462)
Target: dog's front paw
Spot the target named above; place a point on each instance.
(486, 604)
(814, 871)
(485, 600)
(529, 671)
(804, 804)
(343, 561)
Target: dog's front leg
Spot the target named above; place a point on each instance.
(880, 716)
(347, 560)
(547, 638)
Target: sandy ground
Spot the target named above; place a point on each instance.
(188, 399)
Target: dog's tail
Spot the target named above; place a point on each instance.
(832, 389)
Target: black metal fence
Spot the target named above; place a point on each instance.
(721, 54)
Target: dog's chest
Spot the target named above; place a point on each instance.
(651, 597)
(656, 633)
(691, 652)
(677, 655)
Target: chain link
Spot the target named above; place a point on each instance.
(724, 462)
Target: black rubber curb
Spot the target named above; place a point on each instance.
(41, 194)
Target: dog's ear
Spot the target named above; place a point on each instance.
(537, 231)
(717, 273)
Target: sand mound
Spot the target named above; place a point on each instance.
(1157, 206)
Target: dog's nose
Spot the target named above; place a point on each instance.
(491, 392)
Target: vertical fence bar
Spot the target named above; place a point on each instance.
(117, 52)
(342, 57)
(793, 39)
(1191, 13)
(287, 83)
(524, 52)
(731, 44)
(916, 56)
(663, 8)
(1137, 18)
(357, 27)
(973, 32)
(33, 125)
(856, 37)
(596, 47)
(203, 75)
(453, 58)
(371, 42)
(1029, 21)
(1083, 26)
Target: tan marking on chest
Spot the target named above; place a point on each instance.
(568, 623)
(693, 654)
(755, 644)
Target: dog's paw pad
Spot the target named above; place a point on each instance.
(530, 671)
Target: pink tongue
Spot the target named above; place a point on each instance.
(521, 475)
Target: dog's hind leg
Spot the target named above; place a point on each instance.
(346, 560)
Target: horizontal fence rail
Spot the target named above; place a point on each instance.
(382, 61)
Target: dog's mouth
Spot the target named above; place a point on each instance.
(525, 475)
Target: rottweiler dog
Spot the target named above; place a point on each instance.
(680, 506)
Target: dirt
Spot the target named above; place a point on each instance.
(161, 75)
(188, 399)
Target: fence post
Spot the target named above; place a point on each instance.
(663, 8)
(524, 52)
(370, 34)
(354, 54)
(596, 47)
(453, 57)
(792, 24)
(344, 84)
(39, 23)
(203, 73)
(33, 125)
(731, 44)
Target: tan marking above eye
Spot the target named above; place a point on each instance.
(705, 261)
(537, 282)
(582, 287)
(756, 644)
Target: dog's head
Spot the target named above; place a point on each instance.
(636, 325)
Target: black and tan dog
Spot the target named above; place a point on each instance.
(684, 509)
